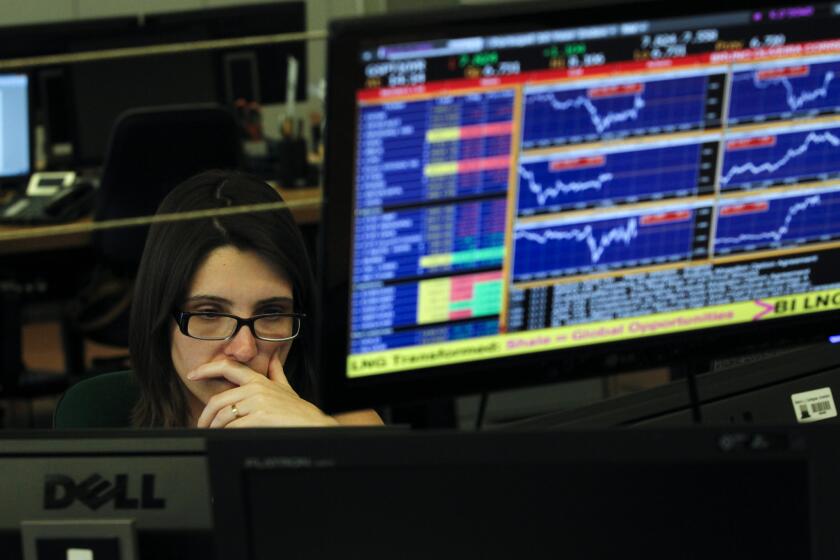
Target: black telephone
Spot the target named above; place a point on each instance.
(71, 203)
(68, 204)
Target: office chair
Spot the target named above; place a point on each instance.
(100, 401)
(150, 151)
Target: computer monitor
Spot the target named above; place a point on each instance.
(590, 494)
(80, 101)
(53, 101)
(522, 193)
(15, 122)
(133, 492)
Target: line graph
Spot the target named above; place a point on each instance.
(553, 184)
(774, 222)
(543, 195)
(785, 158)
(600, 122)
(785, 91)
(559, 116)
(793, 99)
(574, 248)
(619, 234)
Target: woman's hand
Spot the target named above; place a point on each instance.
(258, 401)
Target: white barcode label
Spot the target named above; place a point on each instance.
(813, 406)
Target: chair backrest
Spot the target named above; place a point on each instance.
(151, 150)
(101, 401)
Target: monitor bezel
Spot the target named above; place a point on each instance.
(340, 392)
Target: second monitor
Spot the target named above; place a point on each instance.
(15, 142)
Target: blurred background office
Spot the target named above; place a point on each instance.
(65, 301)
(106, 105)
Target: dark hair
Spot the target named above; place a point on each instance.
(173, 253)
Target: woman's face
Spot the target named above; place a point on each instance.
(240, 283)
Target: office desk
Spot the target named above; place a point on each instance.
(308, 215)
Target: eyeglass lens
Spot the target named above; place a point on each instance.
(221, 327)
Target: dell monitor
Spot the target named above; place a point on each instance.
(15, 142)
(378, 493)
(105, 495)
(697, 493)
(525, 193)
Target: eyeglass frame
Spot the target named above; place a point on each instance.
(182, 319)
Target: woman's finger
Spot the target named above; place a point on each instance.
(220, 404)
(235, 372)
(276, 373)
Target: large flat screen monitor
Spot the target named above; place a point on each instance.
(593, 494)
(15, 143)
(518, 193)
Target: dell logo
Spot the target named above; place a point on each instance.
(60, 491)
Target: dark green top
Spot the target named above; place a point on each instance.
(100, 401)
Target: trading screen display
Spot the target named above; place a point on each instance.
(548, 189)
(14, 125)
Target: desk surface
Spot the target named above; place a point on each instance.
(307, 215)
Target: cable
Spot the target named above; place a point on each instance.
(152, 50)
(70, 229)
(693, 397)
(31, 410)
(482, 407)
(690, 371)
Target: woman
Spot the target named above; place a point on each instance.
(222, 331)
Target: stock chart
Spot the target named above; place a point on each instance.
(784, 91)
(647, 106)
(776, 221)
(579, 247)
(498, 193)
(773, 158)
(612, 176)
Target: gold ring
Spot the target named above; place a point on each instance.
(234, 410)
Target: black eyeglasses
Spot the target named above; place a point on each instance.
(273, 327)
